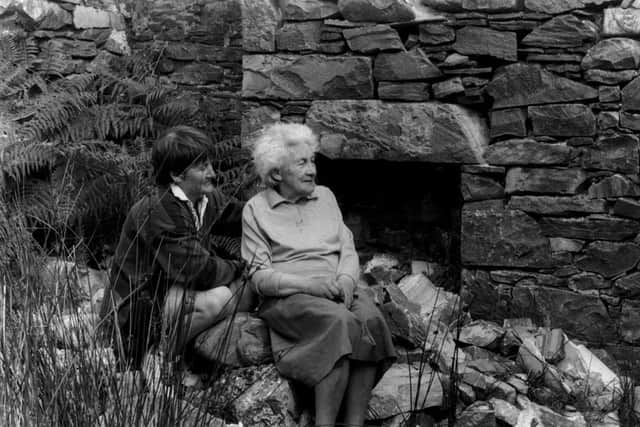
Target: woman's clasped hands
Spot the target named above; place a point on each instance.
(340, 288)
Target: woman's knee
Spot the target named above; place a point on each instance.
(174, 303)
(214, 301)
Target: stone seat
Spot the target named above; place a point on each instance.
(239, 341)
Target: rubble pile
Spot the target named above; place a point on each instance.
(514, 373)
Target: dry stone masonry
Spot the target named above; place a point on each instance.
(199, 44)
(535, 103)
(529, 106)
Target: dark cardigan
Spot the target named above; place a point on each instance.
(160, 247)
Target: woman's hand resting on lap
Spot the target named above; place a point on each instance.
(347, 287)
(324, 287)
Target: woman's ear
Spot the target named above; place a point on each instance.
(276, 176)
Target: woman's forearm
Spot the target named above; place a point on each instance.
(275, 284)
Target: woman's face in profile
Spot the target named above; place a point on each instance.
(298, 173)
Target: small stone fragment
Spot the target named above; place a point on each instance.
(436, 34)
(621, 22)
(448, 87)
(553, 345)
(412, 65)
(392, 395)
(376, 10)
(508, 122)
(401, 91)
(628, 208)
(481, 333)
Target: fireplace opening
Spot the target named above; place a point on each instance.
(410, 210)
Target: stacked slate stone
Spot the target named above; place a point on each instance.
(535, 101)
(197, 50)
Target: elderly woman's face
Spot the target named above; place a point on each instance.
(298, 173)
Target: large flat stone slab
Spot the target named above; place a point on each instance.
(544, 180)
(306, 77)
(370, 129)
(560, 6)
(609, 258)
(527, 152)
(485, 41)
(582, 316)
(521, 84)
(595, 227)
(412, 65)
(494, 236)
(562, 120)
(562, 31)
(550, 205)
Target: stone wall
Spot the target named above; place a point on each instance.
(198, 43)
(201, 41)
(536, 101)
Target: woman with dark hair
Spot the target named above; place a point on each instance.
(325, 333)
(166, 278)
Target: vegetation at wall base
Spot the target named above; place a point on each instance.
(74, 156)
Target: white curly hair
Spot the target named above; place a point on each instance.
(273, 145)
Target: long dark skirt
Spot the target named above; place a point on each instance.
(310, 334)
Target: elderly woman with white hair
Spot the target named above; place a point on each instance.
(325, 333)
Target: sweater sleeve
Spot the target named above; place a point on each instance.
(256, 252)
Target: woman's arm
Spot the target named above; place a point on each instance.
(180, 253)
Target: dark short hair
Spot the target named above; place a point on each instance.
(176, 150)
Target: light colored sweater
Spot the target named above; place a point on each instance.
(307, 237)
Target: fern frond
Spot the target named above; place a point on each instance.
(20, 80)
(174, 112)
(157, 95)
(44, 202)
(75, 83)
(20, 160)
(53, 113)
